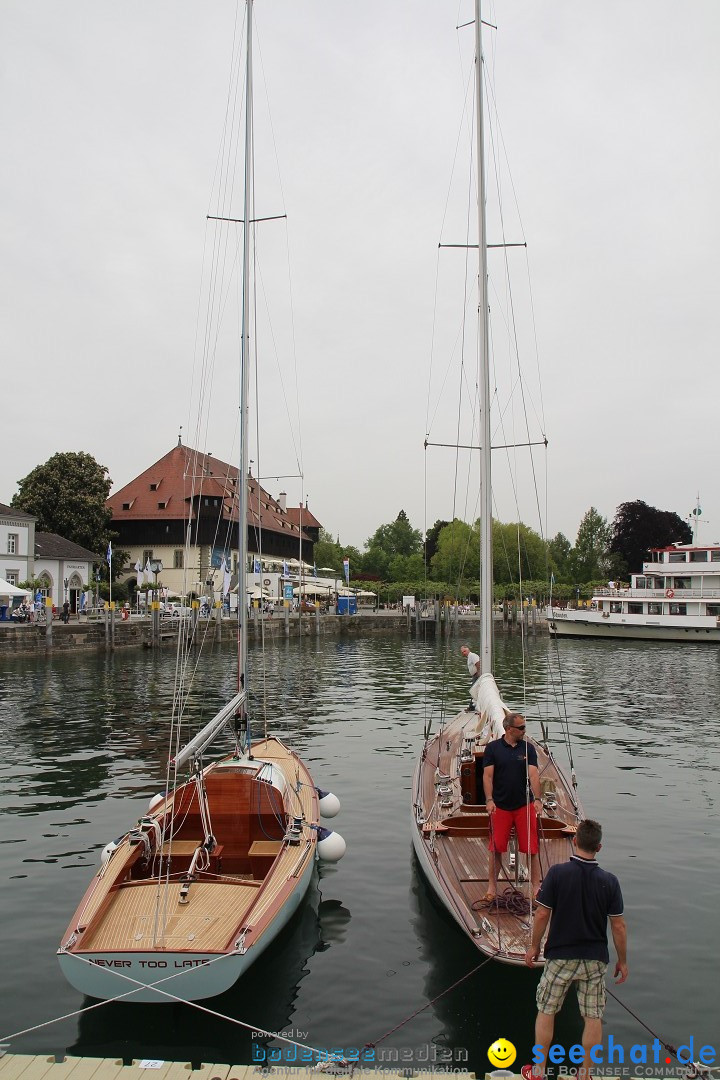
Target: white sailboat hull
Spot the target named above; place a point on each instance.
(173, 975)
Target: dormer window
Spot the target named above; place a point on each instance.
(126, 506)
(162, 505)
(153, 487)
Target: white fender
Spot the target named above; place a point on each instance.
(329, 803)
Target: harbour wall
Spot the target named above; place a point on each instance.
(113, 633)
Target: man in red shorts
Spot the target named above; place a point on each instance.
(511, 782)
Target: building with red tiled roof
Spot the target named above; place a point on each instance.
(305, 519)
(183, 511)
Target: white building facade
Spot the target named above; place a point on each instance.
(17, 545)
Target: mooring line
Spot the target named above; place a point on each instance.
(427, 1004)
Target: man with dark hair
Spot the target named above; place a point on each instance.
(511, 783)
(577, 898)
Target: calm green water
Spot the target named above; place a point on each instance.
(85, 748)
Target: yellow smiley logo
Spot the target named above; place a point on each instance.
(502, 1053)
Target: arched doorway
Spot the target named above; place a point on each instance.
(75, 591)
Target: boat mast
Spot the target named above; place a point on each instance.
(486, 559)
(245, 367)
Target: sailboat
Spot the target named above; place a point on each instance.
(194, 892)
(451, 826)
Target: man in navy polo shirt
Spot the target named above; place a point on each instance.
(511, 783)
(577, 898)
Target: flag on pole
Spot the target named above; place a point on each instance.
(226, 578)
(285, 569)
(138, 568)
(314, 569)
(109, 554)
(257, 568)
(346, 568)
(147, 571)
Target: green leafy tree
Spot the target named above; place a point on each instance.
(431, 539)
(638, 527)
(559, 550)
(353, 555)
(397, 538)
(456, 558)
(377, 561)
(327, 552)
(518, 550)
(67, 495)
(589, 559)
(389, 548)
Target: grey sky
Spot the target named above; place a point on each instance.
(111, 116)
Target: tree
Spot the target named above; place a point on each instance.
(559, 549)
(589, 558)
(638, 527)
(390, 547)
(397, 538)
(327, 552)
(532, 561)
(457, 555)
(431, 539)
(67, 495)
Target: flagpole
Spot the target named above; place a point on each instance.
(109, 562)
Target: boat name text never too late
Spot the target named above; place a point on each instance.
(148, 963)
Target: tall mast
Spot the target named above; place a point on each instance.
(245, 364)
(486, 559)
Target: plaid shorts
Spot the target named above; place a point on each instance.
(557, 976)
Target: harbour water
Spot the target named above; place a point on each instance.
(84, 749)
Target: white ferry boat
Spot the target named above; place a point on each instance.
(675, 598)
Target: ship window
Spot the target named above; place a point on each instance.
(678, 609)
(640, 583)
(698, 556)
(656, 583)
(654, 609)
(712, 609)
(715, 555)
(635, 609)
(681, 582)
(616, 607)
(677, 556)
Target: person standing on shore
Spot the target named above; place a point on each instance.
(577, 898)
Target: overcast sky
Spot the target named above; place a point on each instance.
(111, 116)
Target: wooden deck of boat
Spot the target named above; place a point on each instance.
(215, 909)
(38, 1067)
(205, 924)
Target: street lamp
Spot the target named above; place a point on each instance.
(156, 568)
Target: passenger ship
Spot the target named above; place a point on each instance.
(675, 598)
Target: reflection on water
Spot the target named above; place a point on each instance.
(86, 748)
